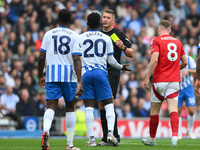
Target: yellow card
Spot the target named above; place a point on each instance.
(114, 37)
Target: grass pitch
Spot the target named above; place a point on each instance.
(125, 144)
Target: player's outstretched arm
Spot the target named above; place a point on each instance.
(125, 68)
(77, 68)
(41, 63)
(112, 61)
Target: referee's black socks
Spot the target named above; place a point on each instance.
(105, 127)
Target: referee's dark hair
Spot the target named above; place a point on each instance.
(64, 17)
(94, 20)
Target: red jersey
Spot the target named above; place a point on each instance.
(170, 51)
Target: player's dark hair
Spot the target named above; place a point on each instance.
(64, 17)
(109, 11)
(166, 24)
(93, 20)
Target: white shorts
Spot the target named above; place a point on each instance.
(164, 90)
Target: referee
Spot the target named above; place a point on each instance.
(121, 43)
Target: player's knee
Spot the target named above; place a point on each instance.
(154, 112)
(107, 101)
(191, 112)
(52, 104)
(179, 111)
(101, 106)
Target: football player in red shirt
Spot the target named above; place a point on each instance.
(165, 66)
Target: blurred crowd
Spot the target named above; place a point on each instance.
(24, 22)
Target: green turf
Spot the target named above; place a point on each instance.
(126, 144)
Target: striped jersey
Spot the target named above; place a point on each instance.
(96, 46)
(59, 44)
(187, 80)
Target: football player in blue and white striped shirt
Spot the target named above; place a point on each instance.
(186, 93)
(97, 50)
(63, 67)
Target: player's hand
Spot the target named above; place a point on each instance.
(120, 44)
(146, 83)
(184, 73)
(79, 90)
(125, 68)
(42, 82)
(197, 86)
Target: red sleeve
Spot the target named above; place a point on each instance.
(154, 45)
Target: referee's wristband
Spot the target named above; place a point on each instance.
(124, 48)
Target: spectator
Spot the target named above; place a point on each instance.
(134, 103)
(2, 83)
(123, 88)
(38, 42)
(135, 23)
(30, 63)
(19, 68)
(21, 53)
(28, 83)
(183, 35)
(4, 70)
(141, 89)
(7, 31)
(141, 46)
(191, 48)
(26, 106)
(11, 79)
(140, 111)
(154, 13)
(28, 39)
(9, 101)
(179, 12)
(127, 112)
(16, 9)
(13, 42)
(18, 86)
(34, 30)
(194, 17)
(48, 20)
(132, 82)
(147, 103)
(118, 108)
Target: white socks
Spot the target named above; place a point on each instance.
(70, 125)
(179, 127)
(47, 119)
(190, 122)
(110, 116)
(89, 119)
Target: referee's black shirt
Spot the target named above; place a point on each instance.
(113, 73)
